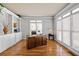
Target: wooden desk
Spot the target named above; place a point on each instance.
(35, 41)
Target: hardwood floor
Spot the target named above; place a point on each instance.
(51, 49)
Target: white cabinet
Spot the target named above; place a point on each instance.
(18, 36)
(9, 40)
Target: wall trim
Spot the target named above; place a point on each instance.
(69, 48)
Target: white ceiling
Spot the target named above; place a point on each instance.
(35, 9)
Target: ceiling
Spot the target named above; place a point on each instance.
(35, 9)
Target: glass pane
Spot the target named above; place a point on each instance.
(33, 26)
(59, 35)
(75, 42)
(59, 25)
(76, 22)
(66, 23)
(66, 37)
(39, 28)
(75, 33)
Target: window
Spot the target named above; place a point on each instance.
(39, 28)
(66, 30)
(59, 30)
(36, 26)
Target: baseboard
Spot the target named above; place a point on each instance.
(69, 48)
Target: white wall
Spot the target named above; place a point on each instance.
(25, 27)
(47, 22)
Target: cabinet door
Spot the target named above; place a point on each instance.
(13, 39)
(1, 43)
(17, 37)
(20, 36)
(6, 42)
